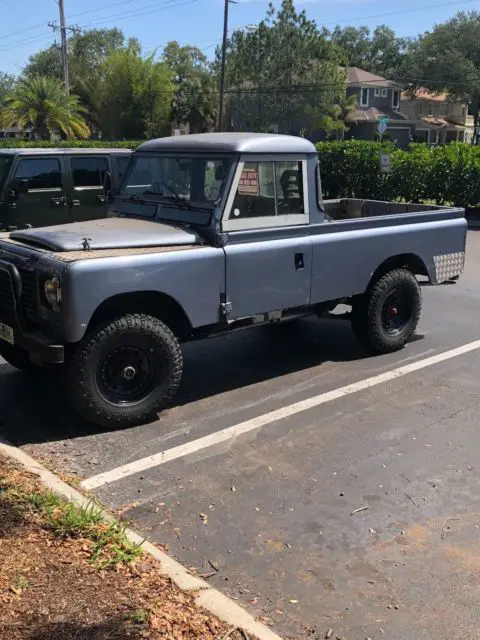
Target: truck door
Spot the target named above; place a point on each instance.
(269, 250)
(36, 194)
(87, 175)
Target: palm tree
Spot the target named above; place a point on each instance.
(42, 103)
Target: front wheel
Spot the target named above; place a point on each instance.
(125, 372)
(385, 318)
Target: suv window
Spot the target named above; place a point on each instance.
(89, 172)
(269, 189)
(122, 164)
(5, 164)
(39, 173)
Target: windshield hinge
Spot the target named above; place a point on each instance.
(226, 306)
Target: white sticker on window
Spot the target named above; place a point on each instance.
(249, 184)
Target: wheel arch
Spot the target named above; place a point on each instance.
(159, 305)
(409, 261)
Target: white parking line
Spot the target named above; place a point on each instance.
(273, 416)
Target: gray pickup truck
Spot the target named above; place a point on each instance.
(208, 234)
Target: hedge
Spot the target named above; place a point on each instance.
(448, 174)
(11, 143)
(351, 169)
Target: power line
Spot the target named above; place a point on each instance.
(133, 13)
(402, 11)
(146, 10)
(167, 4)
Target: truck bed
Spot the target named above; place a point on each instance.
(351, 208)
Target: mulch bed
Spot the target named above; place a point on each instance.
(50, 590)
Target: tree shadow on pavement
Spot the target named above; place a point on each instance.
(34, 410)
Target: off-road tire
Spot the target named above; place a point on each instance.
(130, 331)
(19, 359)
(367, 324)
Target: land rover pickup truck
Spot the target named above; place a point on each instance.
(208, 234)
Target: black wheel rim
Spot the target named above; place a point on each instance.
(128, 375)
(397, 311)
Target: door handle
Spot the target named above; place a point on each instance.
(58, 202)
(101, 199)
(75, 203)
(299, 262)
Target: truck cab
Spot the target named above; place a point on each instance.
(42, 187)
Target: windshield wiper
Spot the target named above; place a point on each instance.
(176, 197)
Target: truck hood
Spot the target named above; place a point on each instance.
(111, 233)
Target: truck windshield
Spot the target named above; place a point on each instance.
(5, 163)
(182, 181)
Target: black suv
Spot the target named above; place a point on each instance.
(42, 187)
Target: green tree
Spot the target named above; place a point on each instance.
(7, 86)
(87, 53)
(448, 59)
(380, 52)
(195, 97)
(135, 94)
(286, 73)
(42, 104)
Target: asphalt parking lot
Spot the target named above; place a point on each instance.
(357, 511)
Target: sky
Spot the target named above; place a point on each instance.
(24, 23)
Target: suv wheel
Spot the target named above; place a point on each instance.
(125, 372)
(386, 317)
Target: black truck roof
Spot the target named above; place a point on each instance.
(61, 150)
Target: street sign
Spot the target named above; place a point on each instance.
(382, 123)
(386, 162)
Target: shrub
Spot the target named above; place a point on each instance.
(10, 143)
(448, 174)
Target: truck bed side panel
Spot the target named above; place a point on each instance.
(345, 258)
(194, 278)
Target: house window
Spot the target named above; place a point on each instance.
(396, 100)
(380, 93)
(364, 97)
(443, 109)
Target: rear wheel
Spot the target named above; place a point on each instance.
(385, 318)
(125, 372)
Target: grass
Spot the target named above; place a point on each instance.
(109, 544)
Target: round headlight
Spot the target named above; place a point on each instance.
(53, 292)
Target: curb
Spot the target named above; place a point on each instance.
(206, 596)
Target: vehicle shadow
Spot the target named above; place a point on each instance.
(34, 409)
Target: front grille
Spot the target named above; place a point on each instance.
(7, 302)
(29, 294)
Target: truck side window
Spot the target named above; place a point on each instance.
(89, 172)
(270, 192)
(39, 173)
(289, 187)
(255, 197)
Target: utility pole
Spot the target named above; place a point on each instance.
(64, 43)
(222, 67)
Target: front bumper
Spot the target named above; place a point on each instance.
(41, 347)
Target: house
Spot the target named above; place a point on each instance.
(377, 98)
(15, 133)
(437, 118)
